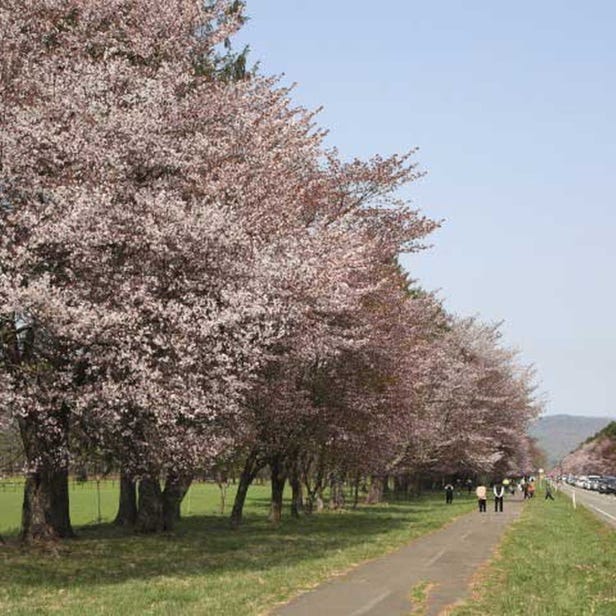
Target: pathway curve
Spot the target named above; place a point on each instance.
(445, 559)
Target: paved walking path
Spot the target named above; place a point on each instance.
(446, 558)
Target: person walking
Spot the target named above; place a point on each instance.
(531, 489)
(548, 491)
(448, 494)
(499, 493)
(481, 493)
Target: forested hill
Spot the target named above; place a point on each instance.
(597, 456)
(558, 435)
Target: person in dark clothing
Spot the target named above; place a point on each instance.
(448, 494)
(548, 492)
(499, 493)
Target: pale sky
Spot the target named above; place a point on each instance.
(513, 106)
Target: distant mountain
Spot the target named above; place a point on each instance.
(559, 435)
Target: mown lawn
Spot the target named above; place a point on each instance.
(203, 567)
(202, 499)
(554, 561)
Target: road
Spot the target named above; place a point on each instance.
(602, 505)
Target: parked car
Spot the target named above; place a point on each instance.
(592, 483)
(607, 485)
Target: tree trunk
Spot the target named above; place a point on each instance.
(356, 491)
(386, 488)
(336, 495)
(416, 485)
(401, 485)
(150, 512)
(222, 481)
(127, 508)
(176, 487)
(320, 504)
(45, 512)
(249, 472)
(278, 480)
(375, 492)
(297, 497)
(314, 484)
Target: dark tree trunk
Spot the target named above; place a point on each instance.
(401, 485)
(416, 485)
(176, 487)
(127, 508)
(297, 496)
(336, 494)
(314, 484)
(356, 491)
(150, 506)
(386, 488)
(278, 480)
(45, 512)
(251, 467)
(375, 491)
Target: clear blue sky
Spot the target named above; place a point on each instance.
(513, 106)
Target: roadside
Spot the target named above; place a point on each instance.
(602, 505)
(443, 561)
(554, 561)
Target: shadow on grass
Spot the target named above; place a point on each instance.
(205, 545)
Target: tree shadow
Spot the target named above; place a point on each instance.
(201, 545)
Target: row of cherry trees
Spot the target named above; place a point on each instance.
(596, 456)
(190, 280)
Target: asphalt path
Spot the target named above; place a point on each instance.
(445, 559)
(602, 505)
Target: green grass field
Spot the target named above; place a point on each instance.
(202, 499)
(554, 561)
(203, 567)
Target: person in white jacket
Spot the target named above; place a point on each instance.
(499, 494)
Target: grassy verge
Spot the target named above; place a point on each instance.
(419, 598)
(204, 567)
(553, 561)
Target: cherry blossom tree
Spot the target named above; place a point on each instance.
(471, 404)
(595, 456)
(137, 292)
(304, 396)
